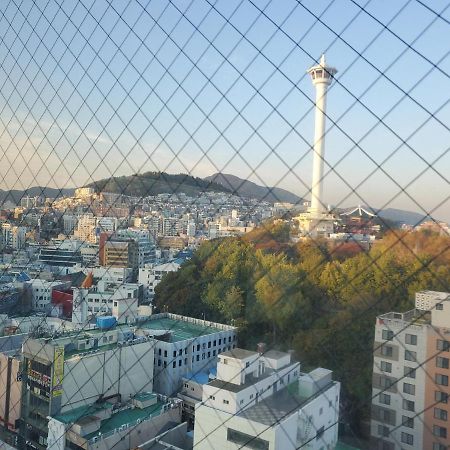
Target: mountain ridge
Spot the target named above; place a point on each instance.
(247, 188)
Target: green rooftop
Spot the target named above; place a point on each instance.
(180, 330)
(82, 411)
(127, 416)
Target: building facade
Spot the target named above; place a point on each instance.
(410, 385)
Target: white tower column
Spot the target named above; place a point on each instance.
(322, 76)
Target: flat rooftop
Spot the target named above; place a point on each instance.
(280, 405)
(81, 412)
(238, 353)
(126, 416)
(179, 330)
(275, 354)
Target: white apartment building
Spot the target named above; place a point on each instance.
(411, 376)
(119, 300)
(184, 345)
(150, 276)
(86, 228)
(263, 401)
(13, 236)
(41, 293)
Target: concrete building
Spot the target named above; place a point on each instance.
(106, 298)
(11, 380)
(13, 236)
(150, 276)
(184, 345)
(41, 291)
(86, 228)
(410, 376)
(78, 370)
(70, 223)
(61, 255)
(105, 426)
(263, 401)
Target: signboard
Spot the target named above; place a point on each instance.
(58, 371)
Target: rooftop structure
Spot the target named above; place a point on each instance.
(108, 425)
(262, 400)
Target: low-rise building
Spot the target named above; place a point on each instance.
(110, 425)
(79, 369)
(263, 401)
(150, 276)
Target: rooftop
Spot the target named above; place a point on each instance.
(81, 412)
(274, 354)
(126, 416)
(238, 353)
(280, 405)
(180, 330)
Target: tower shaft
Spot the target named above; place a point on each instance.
(319, 147)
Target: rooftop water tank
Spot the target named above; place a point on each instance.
(106, 322)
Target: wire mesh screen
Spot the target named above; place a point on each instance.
(224, 224)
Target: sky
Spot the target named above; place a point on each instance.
(92, 89)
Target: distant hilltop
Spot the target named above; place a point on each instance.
(154, 183)
(246, 188)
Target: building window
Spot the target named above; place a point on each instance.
(441, 379)
(411, 339)
(407, 438)
(243, 440)
(438, 446)
(386, 350)
(409, 372)
(409, 388)
(440, 396)
(442, 362)
(408, 421)
(386, 366)
(443, 346)
(440, 431)
(226, 402)
(408, 405)
(385, 399)
(439, 306)
(440, 414)
(387, 335)
(383, 430)
(410, 356)
(211, 397)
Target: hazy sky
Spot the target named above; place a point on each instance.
(90, 89)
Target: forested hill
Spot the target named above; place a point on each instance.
(153, 183)
(320, 301)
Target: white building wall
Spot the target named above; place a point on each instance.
(400, 328)
(124, 369)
